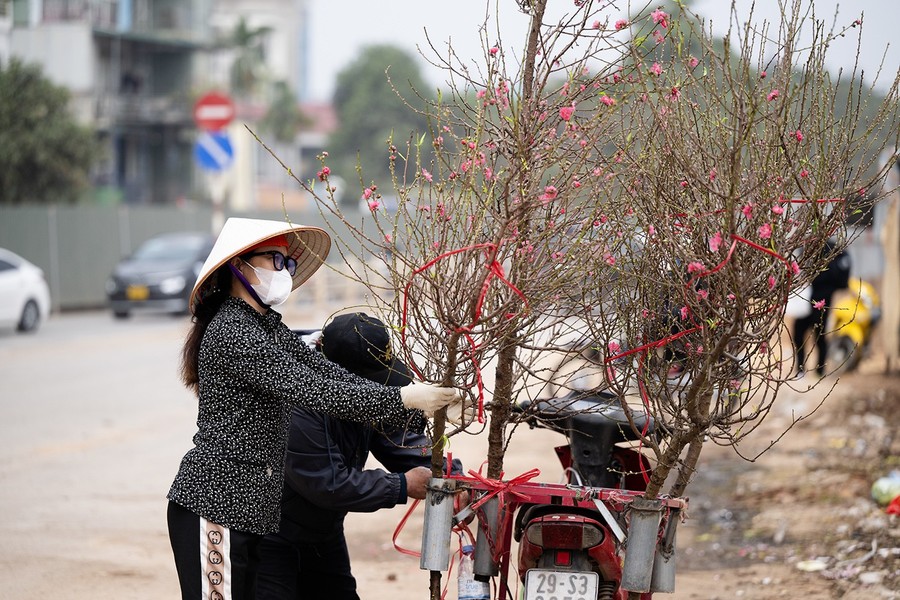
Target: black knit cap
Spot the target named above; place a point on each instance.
(361, 344)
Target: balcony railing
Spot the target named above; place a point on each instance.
(117, 109)
(166, 18)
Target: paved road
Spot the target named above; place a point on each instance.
(93, 421)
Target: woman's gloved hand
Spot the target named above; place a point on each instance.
(429, 398)
(461, 413)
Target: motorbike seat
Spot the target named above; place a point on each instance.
(595, 413)
(594, 422)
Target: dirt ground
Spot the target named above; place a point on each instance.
(797, 522)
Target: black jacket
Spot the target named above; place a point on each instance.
(325, 475)
(834, 277)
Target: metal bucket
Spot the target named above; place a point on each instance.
(664, 563)
(488, 518)
(643, 531)
(438, 524)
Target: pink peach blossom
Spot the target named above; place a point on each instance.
(773, 95)
(427, 175)
(565, 113)
(819, 305)
(494, 50)
(373, 205)
(771, 282)
(596, 25)
(804, 173)
(614, 347)
(798, 135)
(765, 231)
(684, 313)
(656, 69)
(693, 62)
(621, 24)
(607, 100)
(747, 210)
(778, 209)
(550, 193)
(715, 241)
(695, 267)
(660, 18)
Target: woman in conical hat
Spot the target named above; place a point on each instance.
(249, 370)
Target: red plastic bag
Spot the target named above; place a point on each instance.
(893, 508)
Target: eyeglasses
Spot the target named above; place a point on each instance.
(279, 261)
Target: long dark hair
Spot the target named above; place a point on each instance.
(215, 292)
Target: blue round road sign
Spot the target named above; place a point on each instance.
(213, 150)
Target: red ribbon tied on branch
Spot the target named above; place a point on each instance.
(494, 270)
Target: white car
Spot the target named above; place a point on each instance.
(24, 294)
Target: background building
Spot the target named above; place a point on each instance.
(133, 68)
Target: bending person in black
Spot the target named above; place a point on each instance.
(325, 474)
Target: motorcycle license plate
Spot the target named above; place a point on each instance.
(545, 584)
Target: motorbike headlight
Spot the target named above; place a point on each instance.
(172, 285)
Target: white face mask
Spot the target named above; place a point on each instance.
(274, 287)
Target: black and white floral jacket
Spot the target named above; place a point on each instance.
(252, 371)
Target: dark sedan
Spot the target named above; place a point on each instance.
(160, 274)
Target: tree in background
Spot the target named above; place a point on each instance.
(283, 119)
(375, 110)
(45, 155)
(248, 71)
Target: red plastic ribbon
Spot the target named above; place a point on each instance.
(498, 487)
(494, 269)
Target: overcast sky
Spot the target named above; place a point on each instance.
(340, 28)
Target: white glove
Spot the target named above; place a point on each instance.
(461, 413)
(428, 398)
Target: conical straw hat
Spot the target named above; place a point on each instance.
(307, 245)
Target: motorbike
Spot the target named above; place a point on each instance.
(593, 537)
(853, 319)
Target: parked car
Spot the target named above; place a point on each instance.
(159, 275)
(24, 294)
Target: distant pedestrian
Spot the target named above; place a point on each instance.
(249, 370)
(834, 277)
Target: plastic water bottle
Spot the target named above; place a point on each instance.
(886, 488)
(469, 587)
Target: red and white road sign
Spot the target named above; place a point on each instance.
(213, 111)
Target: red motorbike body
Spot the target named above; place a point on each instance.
(570, 535)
